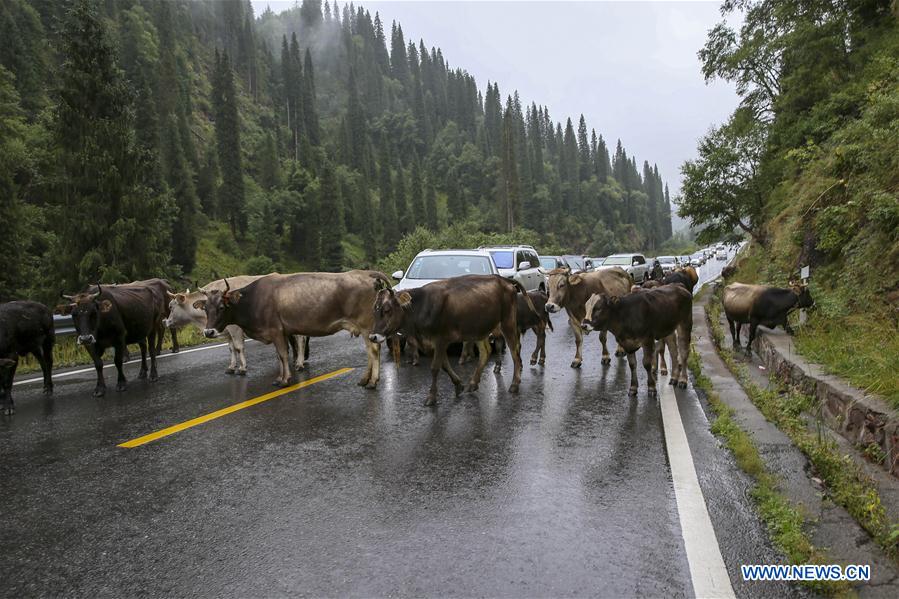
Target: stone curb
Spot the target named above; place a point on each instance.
(861, 418)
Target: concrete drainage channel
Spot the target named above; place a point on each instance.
(863, 420)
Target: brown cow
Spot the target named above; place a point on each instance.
(639, 320)
(466, 308)
(314, 304)
(762, 305)
(571, 292)
(160, 289)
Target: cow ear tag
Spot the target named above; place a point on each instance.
(200, 304)
(404, 298)
(233, 297)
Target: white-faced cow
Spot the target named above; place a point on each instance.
(25, 328)
(639, 319)
(762, 305)
(182, 312)
(313, 304)
(456, 310)
(571, 291)
(114, 317)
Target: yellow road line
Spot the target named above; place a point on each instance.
(225, 411)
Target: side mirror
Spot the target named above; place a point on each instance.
(524, 265)
(398, 275)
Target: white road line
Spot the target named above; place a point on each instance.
(707, 569)
(134, 361)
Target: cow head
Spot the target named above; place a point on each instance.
(599, 310)
(390, 313)
(803, 295)
(219, 308)
(560, 282)
(88, 310)
(182, 310)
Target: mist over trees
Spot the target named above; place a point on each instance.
(143, 137)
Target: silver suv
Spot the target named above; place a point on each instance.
(519, 263)
(434, 265)
(634, 264)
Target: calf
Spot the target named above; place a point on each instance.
(315, 304)
(762, 305)
(114, 317)
(571, 292)
(460, 309)
(639, 320)
(25, 328)
(182, 313)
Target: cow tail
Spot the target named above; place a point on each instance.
(527, 298)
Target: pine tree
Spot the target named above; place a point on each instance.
(431, 205)
(403, 213)
(331, 204)
(510, 187)
(416, 195)
(584, 161)
(389, 225)
(227, 133)
(310, 116)
(178, 177)
(113, 226)
(268, 165)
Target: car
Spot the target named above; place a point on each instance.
(577, 263)
(697, 259)
(519, 263)
(433, 265)
(721, 254)
(548, 263)
(635, 265)
(597, 261)
(668, 263)
(684, 260)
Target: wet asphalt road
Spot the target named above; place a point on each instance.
(563, 490)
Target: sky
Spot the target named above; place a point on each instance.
(629, 67)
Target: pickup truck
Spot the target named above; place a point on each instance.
(634, 264)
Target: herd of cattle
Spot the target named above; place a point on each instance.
(285, 310)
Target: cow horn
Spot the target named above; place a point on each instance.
(66, 297)
(227, 286)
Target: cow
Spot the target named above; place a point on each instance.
(116, 316)
(571, 292)
(313, 304)
(161, 289)
(686, 276)
(639, 320)
(527, 320)
(182, 313)
(762, 305)
(460, 309)
(25, 328)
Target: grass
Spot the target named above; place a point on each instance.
(784, 521)
(846, 483)
(68, 353)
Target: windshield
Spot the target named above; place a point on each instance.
(575, 262)
(548, 263)
(445, 267)
(503, 259)
(665, 259)
(617, 261)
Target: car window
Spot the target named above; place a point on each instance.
(444, 267)
(666, 259)
(639, 260)
(503, 259)
(617, 261)
(548, 263)
(533, 259)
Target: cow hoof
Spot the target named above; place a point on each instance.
(229, 371)
(9, 411)
(241, 373)
(471, 388)
(300, 367)
(48, 390)
(431, 400)
(632, 392)
(372, 385)
(154, 377)
(175, 350)
(652, 392)
(459, 389)
(619, 353)
(672, 382)
(142, 374)
(121, 387)
(664, 372)
(513, 388)
(576, 364)
(533, 362)
(682, 384)
(497, 369)
(363, 382)
(99, 391)
(606, 360)
(281, 384)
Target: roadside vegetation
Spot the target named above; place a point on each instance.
(808, 168)
(846, 483)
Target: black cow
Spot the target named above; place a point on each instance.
(162, 291)
(762, 305)
(639, 319)
(686, 277)
(114, 317)
(25, 328)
